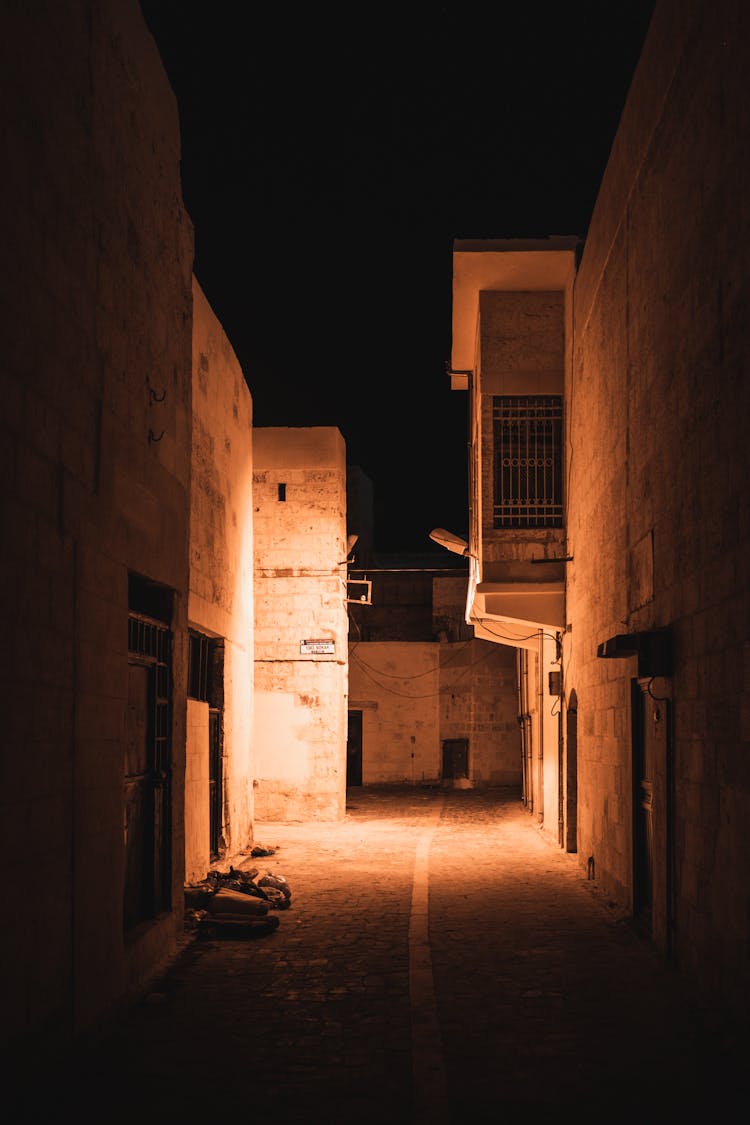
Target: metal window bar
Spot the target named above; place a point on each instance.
(198, 666)
(149, 638)
(527, 432)
(150, 641)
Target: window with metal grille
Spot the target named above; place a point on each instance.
(527, 434)
(147, 763)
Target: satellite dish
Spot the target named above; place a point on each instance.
(450, 541)
(350, 542)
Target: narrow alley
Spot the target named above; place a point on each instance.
(441, 961)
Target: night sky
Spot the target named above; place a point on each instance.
(331, 155)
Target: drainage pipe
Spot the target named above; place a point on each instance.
(540, 726)
(524, 721)
(521, 719)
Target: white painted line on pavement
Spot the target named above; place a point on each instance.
(428, 1068)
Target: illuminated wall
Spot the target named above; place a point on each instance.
(511, 346)
(523, 345)
(301, 659)
(417, 694)
(658, 516)
(220, 603)
(396, 686)
(95, 437)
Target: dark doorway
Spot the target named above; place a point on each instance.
(354, 750)
(571, 775)
(147, 767)
(455, 758)
(643, 811)
(653, 813)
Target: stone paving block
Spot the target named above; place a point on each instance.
(544, 999)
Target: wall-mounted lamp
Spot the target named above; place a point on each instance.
(450, 541)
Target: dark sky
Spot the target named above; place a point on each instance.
(331, 155)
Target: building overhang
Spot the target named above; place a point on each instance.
(501, 264)
(653, 648)
(514, 612)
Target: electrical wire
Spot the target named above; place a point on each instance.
(418, 675)
(531, 636)
(429, 695)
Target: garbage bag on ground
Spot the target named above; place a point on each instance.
(276, 898)
(197, 895)
(227, 901)
(276, 881)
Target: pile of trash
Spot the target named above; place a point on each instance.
(236, 903)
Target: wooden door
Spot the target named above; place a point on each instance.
(455, 758)
(354, 749)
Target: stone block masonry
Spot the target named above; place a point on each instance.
(657, 521)
(220, 602)
(301, 624)
(96, 307)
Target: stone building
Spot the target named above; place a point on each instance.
(653, 536)
(301, 661)
(136, 682)
(428, 702)
(511, 346)
(219, 767)
(120, 548)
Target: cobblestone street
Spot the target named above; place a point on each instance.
(520, 990)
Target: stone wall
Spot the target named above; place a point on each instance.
(478, 702)
(400, 606)
(95, 442)
(658, 519)
(220, 603)
(396, 685)
(449, 609)
(413, 696)
(299, 507)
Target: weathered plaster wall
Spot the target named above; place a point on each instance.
(658, 519)
(220, 602)
(96, 306)
(299, 506)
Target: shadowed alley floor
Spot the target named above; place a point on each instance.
(442, 962)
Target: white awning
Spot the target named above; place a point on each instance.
(512, 612)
